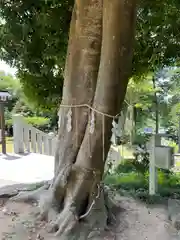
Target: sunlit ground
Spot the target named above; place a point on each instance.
(9, 145)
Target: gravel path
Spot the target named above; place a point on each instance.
(135, 221)
(139, 222)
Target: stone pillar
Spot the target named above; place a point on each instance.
(18, 134)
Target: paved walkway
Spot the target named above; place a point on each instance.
(26, 168)
(32, 167)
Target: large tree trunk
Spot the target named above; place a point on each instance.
(80, 76)
(97, 70)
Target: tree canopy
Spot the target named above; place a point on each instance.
(33, 37)
(98, 65)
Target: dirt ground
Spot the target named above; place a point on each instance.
(135, 221)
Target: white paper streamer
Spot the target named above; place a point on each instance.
(92, 123)
(59, 118)
(69, 120)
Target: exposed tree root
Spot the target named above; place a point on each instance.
(30, 196)
(15, 189)
(81, 211)
(43, 193)
(76, 210)
(68, 225)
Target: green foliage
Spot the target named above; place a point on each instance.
(126, 181)
(9, 83)
(157, 35)
(33, 37)
(38, 122)
(129, 180)
(168, 98)
(23, 109)
(12, 85)
(173, 144)
(140, 94)
(18, 102)
(132, 165)
(126, 167)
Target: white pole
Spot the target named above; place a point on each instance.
(18, 134)
(179, 133)
(152, 168)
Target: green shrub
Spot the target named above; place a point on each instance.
(125, 167)
(140, 138)
(173, 144)
(9, 122)
(130, 180)
(132, 165)
(38, 122)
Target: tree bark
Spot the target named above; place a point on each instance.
(80, 77)
(98, 67)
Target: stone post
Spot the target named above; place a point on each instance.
(18, 134)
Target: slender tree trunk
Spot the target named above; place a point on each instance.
(135, 120)
(156, 106)
(98, 67)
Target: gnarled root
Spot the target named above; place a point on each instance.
(69, 225)
(30, 196)
(77, 210)
(42, 193)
